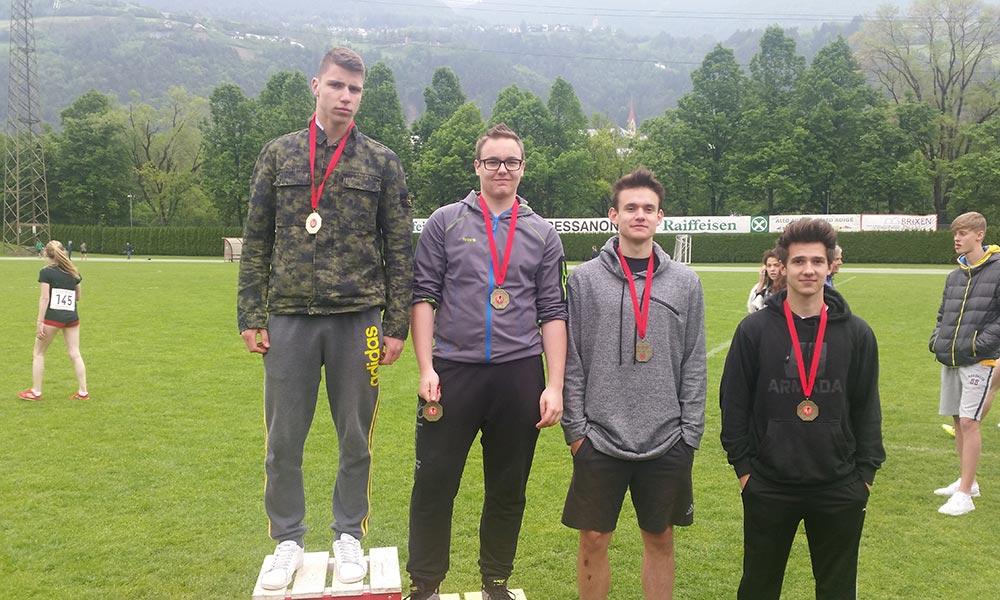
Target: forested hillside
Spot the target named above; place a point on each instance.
(121, 49)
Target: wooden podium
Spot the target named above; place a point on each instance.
(316, 579)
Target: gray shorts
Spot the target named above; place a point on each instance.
(963, 390)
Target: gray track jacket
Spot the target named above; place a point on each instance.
(632, 410)
(452, 271)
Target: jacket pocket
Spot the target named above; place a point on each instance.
(293, 203)
(805, 453)
(359, 205)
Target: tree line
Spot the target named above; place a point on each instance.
(906, 122)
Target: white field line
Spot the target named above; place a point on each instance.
(718, 348)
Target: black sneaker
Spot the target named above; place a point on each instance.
(496, 589)
(419, 592)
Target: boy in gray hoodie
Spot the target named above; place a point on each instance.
(634, 395)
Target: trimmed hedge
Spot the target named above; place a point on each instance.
(922, 247)
(177, 241)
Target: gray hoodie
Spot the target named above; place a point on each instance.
(632, 410)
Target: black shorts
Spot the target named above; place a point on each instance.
(661, 489)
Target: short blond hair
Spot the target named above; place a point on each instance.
(970, 221)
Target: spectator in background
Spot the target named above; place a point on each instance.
(39, 246)
(129, 250)
(771, 281)
(838, 260)
(83, 250)
(594, 252)
(966, 341)
(69, 249)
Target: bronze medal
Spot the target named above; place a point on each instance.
(500, 298)
(807, 410)
(313, 223)
(643, 351)
(433, 411)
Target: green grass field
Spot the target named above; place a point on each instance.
(153, 489)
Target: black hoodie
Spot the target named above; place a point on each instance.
(760, 390)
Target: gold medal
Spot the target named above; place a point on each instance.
(433, 411)
(807, 410)
(313, 223)
(643, 351)
(500, 299)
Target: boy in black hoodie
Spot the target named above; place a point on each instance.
(801, 422)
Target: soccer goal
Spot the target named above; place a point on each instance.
(682, 248)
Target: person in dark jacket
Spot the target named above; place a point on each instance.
(324, 284)
(966, 341)
(802, 422)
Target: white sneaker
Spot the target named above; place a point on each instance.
(350, 563)
(949, 490)
(959, 504)
(287, 560)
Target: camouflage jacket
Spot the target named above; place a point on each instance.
(362, 255)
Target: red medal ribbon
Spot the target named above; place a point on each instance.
(317, 193)
(807, 383)
(641, 311)
(499, 271)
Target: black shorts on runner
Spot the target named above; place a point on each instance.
(661, 489)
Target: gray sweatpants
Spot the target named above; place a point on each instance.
(349, 347)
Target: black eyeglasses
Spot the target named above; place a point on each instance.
(493, 164)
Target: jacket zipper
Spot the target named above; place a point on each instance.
(961, 313)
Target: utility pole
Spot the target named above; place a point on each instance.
(25, 198)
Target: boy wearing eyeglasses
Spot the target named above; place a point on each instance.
(488, 300)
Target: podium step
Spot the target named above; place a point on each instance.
(519, 594)
(316, 580)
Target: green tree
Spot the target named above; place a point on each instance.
(284, 105)
(381, 115)
(976, 175)
(568, 121)
(166, 155)
(710, 113)
(764, 167)
(441, 99)
(892, 176)
(662, 142)
(837, 107)
(231, 145)
(526, 114)
(90, 175)
(444, 171)
(942, 53)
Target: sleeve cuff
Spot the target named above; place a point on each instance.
(867, 473)
(742, 467)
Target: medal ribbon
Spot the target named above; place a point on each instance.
(317, 193)
(807, 383)
(641, 311)
(499, 270)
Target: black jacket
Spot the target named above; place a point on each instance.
(760, 390)
(968, 322)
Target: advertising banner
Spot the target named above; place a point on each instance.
(898, 222)
(839, 222)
